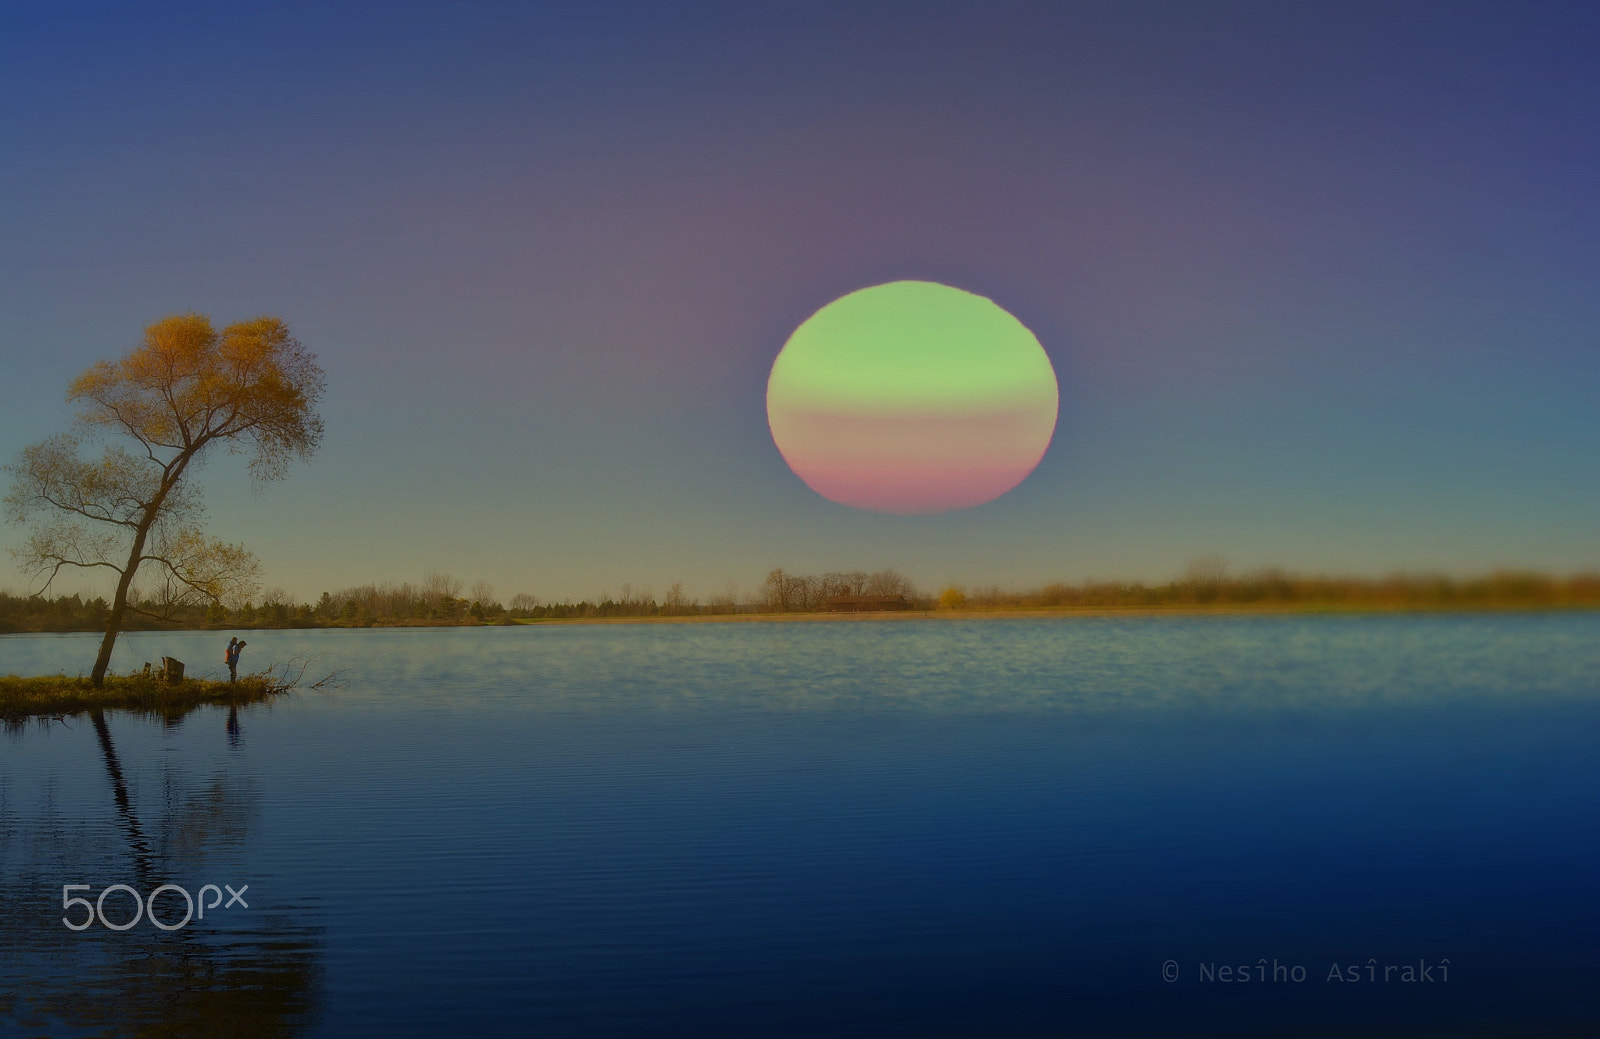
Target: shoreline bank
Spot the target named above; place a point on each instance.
(998, 613)
(62, 695)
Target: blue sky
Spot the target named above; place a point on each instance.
(1317, 280)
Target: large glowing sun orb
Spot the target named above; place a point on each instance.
(912, 397)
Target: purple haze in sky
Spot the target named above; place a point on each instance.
(1318, 279)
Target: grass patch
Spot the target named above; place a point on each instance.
(59, 695)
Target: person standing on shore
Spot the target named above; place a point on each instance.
(235, 647)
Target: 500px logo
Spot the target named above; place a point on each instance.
(143, 907)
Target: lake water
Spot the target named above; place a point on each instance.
(908, 827)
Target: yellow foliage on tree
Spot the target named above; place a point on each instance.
(164, 407)
(952, 598)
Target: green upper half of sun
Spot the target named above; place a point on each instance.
(911, 345)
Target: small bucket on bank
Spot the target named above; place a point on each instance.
(172, 669)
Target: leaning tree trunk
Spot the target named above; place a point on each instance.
(119, 605)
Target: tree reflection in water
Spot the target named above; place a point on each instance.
(259, 975)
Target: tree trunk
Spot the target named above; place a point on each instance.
(119, 605)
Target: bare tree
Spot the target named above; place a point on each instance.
(887, 582)
(439, 585)
(1204, 576)
(252, 387)
(805, 592)
(523, 603)
(853, 582)
(727, 600)
(1206, 570)
(775, 592)
(483, 594)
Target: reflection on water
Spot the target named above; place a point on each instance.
(881, 828)
(263, 979)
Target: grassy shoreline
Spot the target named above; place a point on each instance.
(61, 695)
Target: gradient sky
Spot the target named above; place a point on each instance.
(1320, 282)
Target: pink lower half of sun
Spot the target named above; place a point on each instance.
(917, 462)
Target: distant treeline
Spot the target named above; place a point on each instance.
(440, 600)
(1507, 590)
(65, 613)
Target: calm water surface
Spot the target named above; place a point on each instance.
(881, 828)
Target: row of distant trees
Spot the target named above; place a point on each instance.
(1277, 588)
(784, 592)
(439, 599)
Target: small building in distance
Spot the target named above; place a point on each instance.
(866, 603)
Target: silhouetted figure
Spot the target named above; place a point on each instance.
(234, 649)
